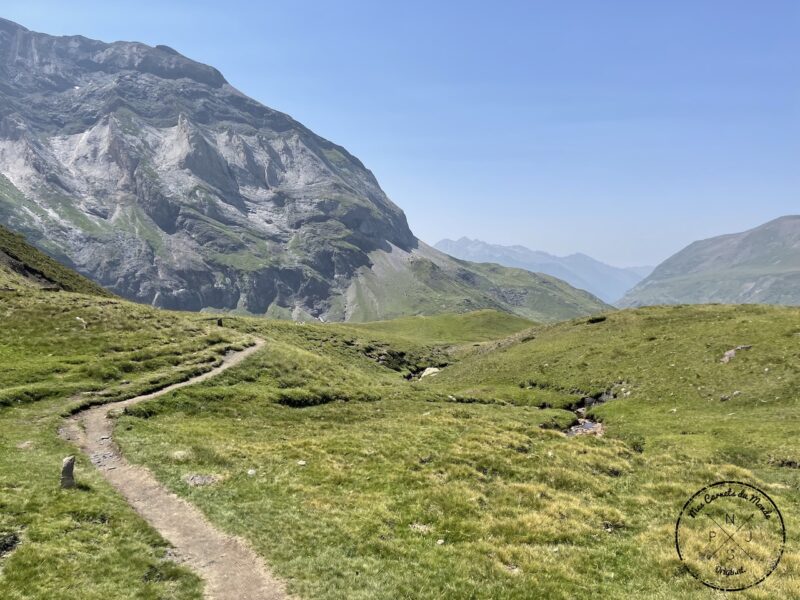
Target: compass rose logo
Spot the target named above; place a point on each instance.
(730, 535)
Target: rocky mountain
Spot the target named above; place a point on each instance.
(761, 266)
(582, 271)
(150, 173)
(23, 267)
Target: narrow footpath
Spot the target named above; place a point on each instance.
(229, 567)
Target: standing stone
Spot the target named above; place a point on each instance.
(219, 322)
(67, 473)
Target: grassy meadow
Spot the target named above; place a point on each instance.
(59, 351)
(448, 329)
(460, 485)
(355, 479)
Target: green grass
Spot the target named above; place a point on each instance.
(664, 358)
(87, 542)
(477, 326)
(368, 485)
(465, 456)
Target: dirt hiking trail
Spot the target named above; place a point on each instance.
(230, 569)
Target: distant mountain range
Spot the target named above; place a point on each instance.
(761, 265)
(149, 173)
(604, 281)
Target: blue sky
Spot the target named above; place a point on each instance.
(622, 129)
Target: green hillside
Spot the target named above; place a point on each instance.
(478, 326)
(23, 266)
(654, 360)
(429, 283)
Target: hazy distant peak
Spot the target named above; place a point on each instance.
(760, 265)
(605, 281)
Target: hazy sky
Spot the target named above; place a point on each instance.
(623, 129)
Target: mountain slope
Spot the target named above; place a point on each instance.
(23, 266)
(761, 265)
(155, 177)
(604, 281)
(426, 281)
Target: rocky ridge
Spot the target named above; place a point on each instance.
(151, 174)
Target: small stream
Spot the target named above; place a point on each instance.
(586, 426)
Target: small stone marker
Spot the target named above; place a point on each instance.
(67, 473)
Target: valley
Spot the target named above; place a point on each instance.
(584, 272)
(230, 370)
